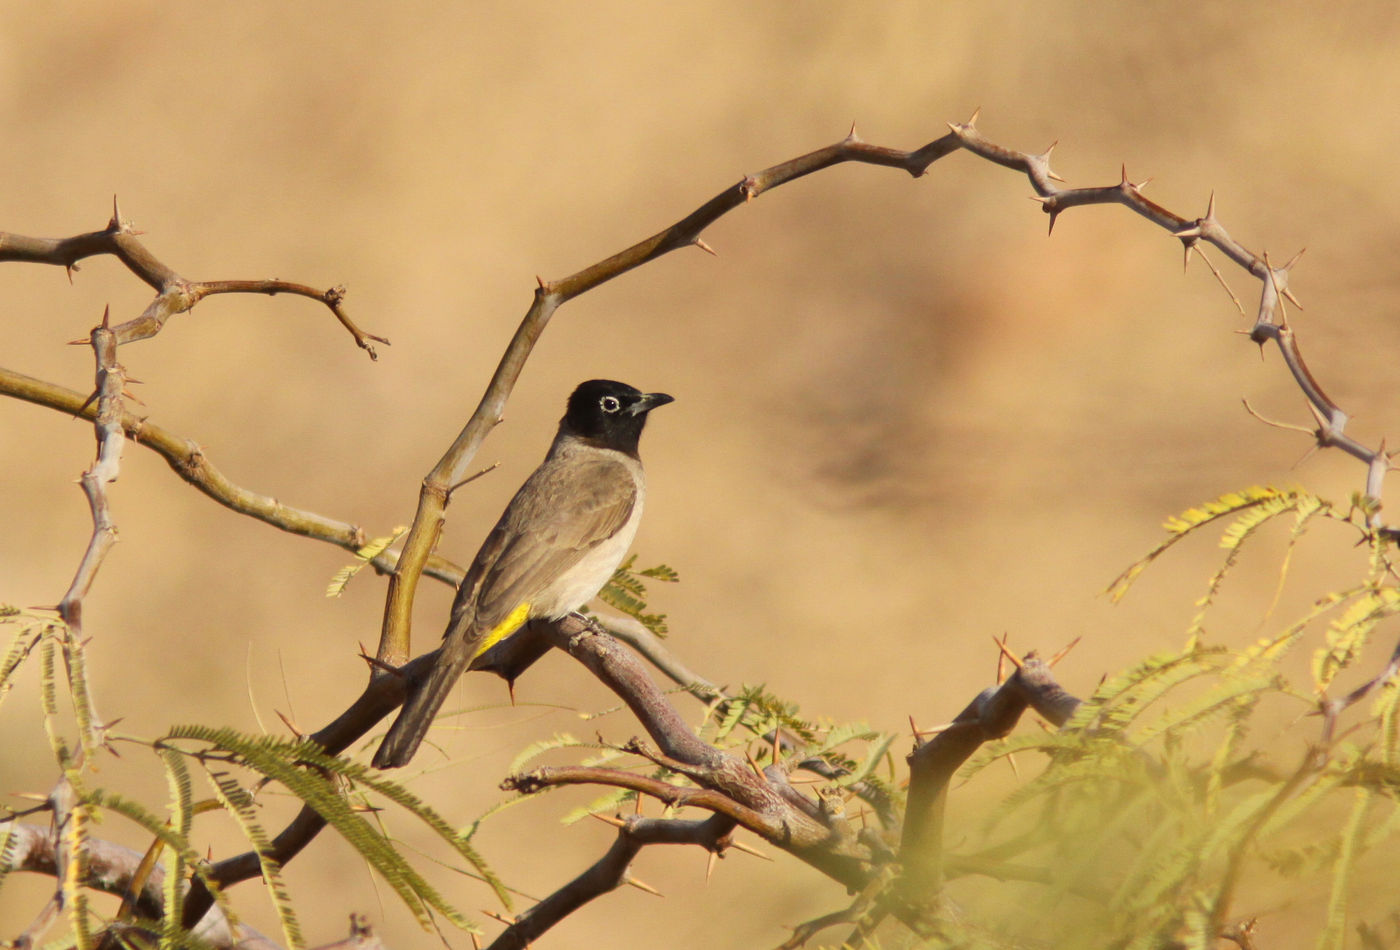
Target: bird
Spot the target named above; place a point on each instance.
(556, 544)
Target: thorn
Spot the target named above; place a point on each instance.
(116, 223)
(508, 921)
(1001, 659)
(748, 188)
(975, 113)
(1294, 259)
(132, 396)
(1288, 295)
(700, 243)
(1015, 660)
(1277, 425)
(1187, 246)
(378, 664)
(82, 342)
(1210, 208)
(1065, 652)
(70, 268)
(510, 691)
(1124, 183)
(1011, 761)
(1045, 157)
(471, 478)
(753, 764)
(851, 135)
(710, 865)
(86, 402)
(288, 723)
(914, 727)
(106, 317)
(642, 886)
(610, 820)
(740, 846)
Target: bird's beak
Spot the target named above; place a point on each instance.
(648, 402)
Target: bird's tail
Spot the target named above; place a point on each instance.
(422, 705)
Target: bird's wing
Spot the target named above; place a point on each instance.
(560, 514)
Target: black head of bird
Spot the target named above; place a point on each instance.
(610, 414)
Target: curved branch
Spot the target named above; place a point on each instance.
(610, 872)
(394, 638)
(188, 461)
(992, 715)
(174, 294)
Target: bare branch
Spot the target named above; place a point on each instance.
(189, 461)
(992, 715)
(174, 294)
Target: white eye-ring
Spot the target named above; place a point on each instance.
(610, 403)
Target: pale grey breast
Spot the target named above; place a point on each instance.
(565, 533)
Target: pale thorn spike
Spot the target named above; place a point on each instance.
(710, 865)
(1065, 652)
(1001, 659)
(1210, 207)
(1045, 157)
(975, 114)
(642, 886)
(1015, 660)
(610, 820)
(700, 243)
(740, 846)
(851, 136)
(1011, 761)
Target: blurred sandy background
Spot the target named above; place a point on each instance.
(905, 420)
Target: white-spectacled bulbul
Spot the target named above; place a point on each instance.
(558, 542)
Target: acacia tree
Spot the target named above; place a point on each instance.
(1140, 827)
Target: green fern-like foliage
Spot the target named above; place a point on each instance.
(366, 553)
(322, 788)
(627, 590)
(1144, 816)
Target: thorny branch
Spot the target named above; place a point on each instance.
(738, 794)
(174, 293)
(188, 460)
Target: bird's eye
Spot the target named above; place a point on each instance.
(610, 403)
